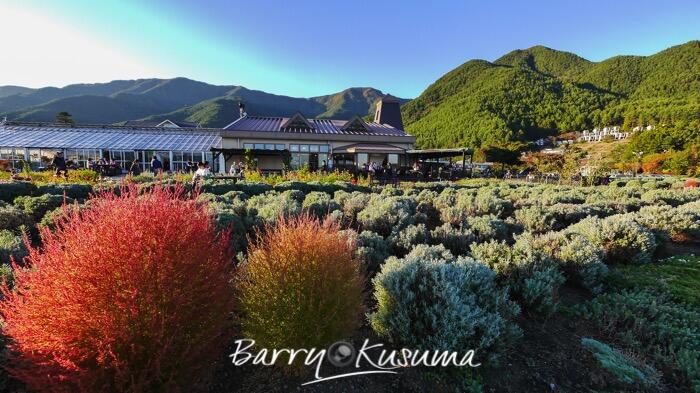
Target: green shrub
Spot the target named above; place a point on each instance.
(12, 247)
(622, 367)
(530, 271)
(457, 240)
(6, 276)
(671, 197)
(536, 219)
(430, 252)
(566, 214)
(403, 241)
(12, 218)
(371, 248)
(351, 204)
(385, 214)
(221, 187)
(552, 196)
(11, 190)
(319, 204)
(51, 217)
(652, 324)
(577, 257)
(539, 290)
(669, 223)
(75, 191)
(268, 207)
(487, 228)
(37, 207)
(622, 239)
(443, 304)
(456, 206)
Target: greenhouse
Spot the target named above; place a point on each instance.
(37, 144)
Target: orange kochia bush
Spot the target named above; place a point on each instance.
(132, 294)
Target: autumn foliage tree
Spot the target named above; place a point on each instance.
(130, 295)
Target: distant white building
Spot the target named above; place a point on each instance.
(642, 128)
(598, 134)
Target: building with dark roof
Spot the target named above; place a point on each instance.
(270, 141)
(315, 142)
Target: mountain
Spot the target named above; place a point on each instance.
(12, 90)
(175, 99)
(530, 93)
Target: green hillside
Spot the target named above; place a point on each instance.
(540, 91)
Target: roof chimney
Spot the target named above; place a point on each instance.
(389, 112)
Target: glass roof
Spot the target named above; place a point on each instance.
(105, 138)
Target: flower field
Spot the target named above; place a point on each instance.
(144, 287)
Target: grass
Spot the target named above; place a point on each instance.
(679, 276)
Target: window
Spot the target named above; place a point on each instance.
(304, 148)
(12, 155)
(182, 158)
(41, 158)
(313, 148)
(393, 159)
(362, 159)
(247, 146)
(293, 147)
(323, 148)
(269, 146)
(259, 146)
(279, 147)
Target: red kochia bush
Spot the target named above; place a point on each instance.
(132, 294)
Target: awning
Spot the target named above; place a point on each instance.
(378, 148)
(440, 153)
(256, 152)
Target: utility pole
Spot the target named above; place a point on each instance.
(639, 155)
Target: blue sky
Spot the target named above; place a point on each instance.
(307, 48)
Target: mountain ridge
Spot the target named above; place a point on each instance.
(177, 99)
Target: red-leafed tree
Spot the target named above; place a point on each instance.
(132, 294)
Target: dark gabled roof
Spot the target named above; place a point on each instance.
(181, 124)
(355, 124)
(152, 123)
(297, 121)
(319, 126)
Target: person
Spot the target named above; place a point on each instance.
(241, 171)
(190, 167)
(90, 164)
(156, 165)
(135, 168)
(202, 172)
(59, 164)
(233, 172)
(324, 166)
